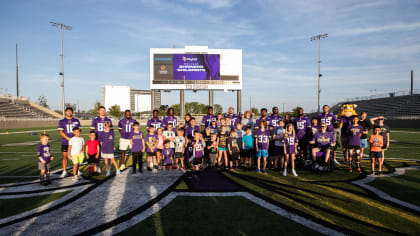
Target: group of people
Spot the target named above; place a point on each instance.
(229, 141)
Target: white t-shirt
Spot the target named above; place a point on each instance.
(179, 143)
(77, 144)
(169, 134)
(279, 137)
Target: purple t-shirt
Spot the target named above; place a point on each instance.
(137, 141)
(263, 137)
(329, 119)
(199, 149)
(301, 125)
(323, 139)
(290, 143)
(43, 151)
(189, 131)
(67, 125)
(98, 124)
(107, 142)
(234, 119)
(354, 132)
(170, 120)
(207, 119)
(151, 139)
(126, 127)
(274, 120)
(156, 123)
(167, 154)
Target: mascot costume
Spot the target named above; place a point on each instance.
(347, 111)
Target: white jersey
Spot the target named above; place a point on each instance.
(77, 144)
(279, 137)
(169, 135)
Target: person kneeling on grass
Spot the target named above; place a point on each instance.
(138, 147)
(92, 151)
(323, 141)
(167, 154)
(107, 152)
(76, 150)
(376, 142)
(44, 158)
(290, 148)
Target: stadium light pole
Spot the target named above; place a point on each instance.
(61, 27)
(319, 37)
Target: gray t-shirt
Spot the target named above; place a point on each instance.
(179, 143)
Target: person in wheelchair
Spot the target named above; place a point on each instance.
(323, 142)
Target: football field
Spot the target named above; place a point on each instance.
(211, 202)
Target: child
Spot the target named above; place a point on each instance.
(76, 150)
(159, 146)
(221, 141)
(376, 141)
(137, 147)
(198, 150)
(189, 131)
(247, 144)
(354, 132)
(227, 124)
(44, 158)
(214, 129)
(179, 148)
(262, 145)
(278, 147)
(189, 150)
(239, 135)
(92, 151)
(290, 148)
(151, 143)
(212, 148)
(167, 153)
(207, 139)
(107, 149)
(234, 150)
(169, 134)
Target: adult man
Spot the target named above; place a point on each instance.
(234, 118)
(155, 121)
(65, 129)
(327, 118)
(170, 119)
(98, 124)
(207, 119)
(275, 118)
(263, 117)
(302, 124)
(125, 127)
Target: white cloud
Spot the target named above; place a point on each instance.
(214, 4)
(376, 29)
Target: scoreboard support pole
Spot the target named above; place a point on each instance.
(211, 97)
(152, 100)
(182, 102)
(239, 101)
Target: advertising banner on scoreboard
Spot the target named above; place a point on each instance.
(196, 67)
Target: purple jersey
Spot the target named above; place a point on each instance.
(207, 119)
(301, 125)
(126, 127)
(98, 124)
(170, 120)
(152, 140)
(67, 125)
(189, 131)
(43, 152)
(345, 122)
(156, 123)
(167, 154)
(261, 119)
(137, 141)
(290, 143)
(107, 142)
(274, 120)
(354, 132)
(199, 149)
(234, 119)
(329, 119)
(263, 137)
(323, 139)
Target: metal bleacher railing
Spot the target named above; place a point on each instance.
(382, 95)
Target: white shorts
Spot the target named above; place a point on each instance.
(125, 144)
(107, 155)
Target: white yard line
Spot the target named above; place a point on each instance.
(165, 201)
(398, 171)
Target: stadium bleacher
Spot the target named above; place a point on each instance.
(10, 108)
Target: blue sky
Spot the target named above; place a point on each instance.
(371, 45)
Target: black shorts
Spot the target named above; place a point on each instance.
(151, 154)
(278, 150)
(179, 155)
(247, 153)
(137, 155)
(373, 154)
(92, 159)
(353, 147)
(234, 156)
(64, 148)
(197, 161)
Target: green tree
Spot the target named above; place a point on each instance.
(95, 108)
(70, 105)
(217, 108)
(42, 101)
(295, 111)
(177, 109)
(255, 111)
(115, 111)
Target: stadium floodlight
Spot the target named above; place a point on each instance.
(313, 38)
(61, 27)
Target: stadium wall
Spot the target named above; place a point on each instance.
(412, 124)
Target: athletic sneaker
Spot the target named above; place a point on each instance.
(118, 172)
(285, 172)
(294, 173)
(79, 173)
(316, 166)
(64, 174)
(380, 173)
(75, 177)
(122, 167)
(264, 171)
(336, 162)
(258, 170)
(372, 173)
(359, 170)
(98, 170)
(149, 169)
(108, 173)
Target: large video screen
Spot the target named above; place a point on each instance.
(196, 70)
